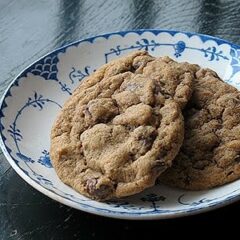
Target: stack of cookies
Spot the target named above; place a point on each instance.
(140, 118)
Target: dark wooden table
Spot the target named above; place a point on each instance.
(30, 29)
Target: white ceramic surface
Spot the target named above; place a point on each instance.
(33, 99)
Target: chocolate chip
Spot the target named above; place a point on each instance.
(99, 193)
(133, 69)
(148, 141)
(87, 112)
(162, 154)
(229, 173)
(130, 128)
(131, 156)
(160, 163)
(159, 166)
(115, 103)
(237, 159)
(157, 89)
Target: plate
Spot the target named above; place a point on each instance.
(34, 98)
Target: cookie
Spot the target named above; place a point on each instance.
(210, 155)
(122, 127)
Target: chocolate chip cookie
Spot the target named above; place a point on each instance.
(123, 126)
(210, 155)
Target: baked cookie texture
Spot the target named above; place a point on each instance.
(123, 126)
(210, 155)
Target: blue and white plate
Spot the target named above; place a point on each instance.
(33, 99)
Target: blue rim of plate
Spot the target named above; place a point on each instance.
(86, 207)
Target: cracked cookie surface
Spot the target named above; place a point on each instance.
(123, 126)
(210, 155)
